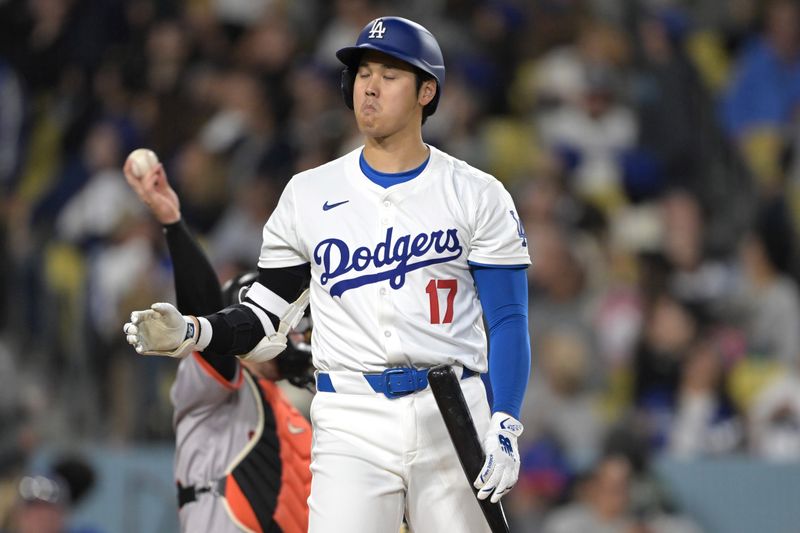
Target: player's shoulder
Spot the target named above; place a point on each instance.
(462, 172)
(330, 171)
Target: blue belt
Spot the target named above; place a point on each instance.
(392, 382)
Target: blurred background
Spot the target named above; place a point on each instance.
(651, 147)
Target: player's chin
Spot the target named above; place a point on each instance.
(367, 123)
(376, 127)
(372, 131)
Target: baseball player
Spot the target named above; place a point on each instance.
(408, 250)
(242, 450)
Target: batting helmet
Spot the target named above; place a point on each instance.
(294, 363)
(401, 38)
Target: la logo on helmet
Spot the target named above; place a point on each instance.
(377, 30)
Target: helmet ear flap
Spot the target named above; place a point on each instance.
(348, 78)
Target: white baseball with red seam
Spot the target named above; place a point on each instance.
(142, 161)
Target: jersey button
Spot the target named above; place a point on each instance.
(387, 333)
(383, 291)
(387, 203)
(385, 221)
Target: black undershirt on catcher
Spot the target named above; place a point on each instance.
(197, 288)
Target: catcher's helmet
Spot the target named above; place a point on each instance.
(233, 289)
(401, 38)
(294, 363)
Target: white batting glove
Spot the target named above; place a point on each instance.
(501, 468)
(271, 345)
(162, 330)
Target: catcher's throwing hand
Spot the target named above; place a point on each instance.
(162, 330)
(501, 468)
(155, 191)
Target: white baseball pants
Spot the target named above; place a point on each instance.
(375, 460)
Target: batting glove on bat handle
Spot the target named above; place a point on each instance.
(501, 468)
(162, 330)
(271, 345)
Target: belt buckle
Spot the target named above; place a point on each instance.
(212, 487)
(387, 376)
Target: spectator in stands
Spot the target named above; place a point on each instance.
(593, 134)
(45, 499)
(347, 17)
(601, 502)
(558, 280)
(559, 403)
(705, 422)
(608, 501)
(12, 123)
(767, 301)
(774, 421)
(669, 97)
(668, 333)
(762, 99)
(765, 91)
(695, 278)
(559, 293)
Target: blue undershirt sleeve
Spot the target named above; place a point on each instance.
(503, 293)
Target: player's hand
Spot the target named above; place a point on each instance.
(271, 345)
(154, 190)
(162, 330)
(501, 468)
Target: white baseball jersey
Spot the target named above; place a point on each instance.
(390, 280)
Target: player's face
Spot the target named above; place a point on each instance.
(385, 96)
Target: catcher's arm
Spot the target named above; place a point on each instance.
(256, 328)
(197, 288)
(246, 328)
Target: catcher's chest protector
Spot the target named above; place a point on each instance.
(269, 482)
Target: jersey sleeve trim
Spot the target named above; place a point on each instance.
(280, 263)
(233, 385)
(498, 261)
(491, 265)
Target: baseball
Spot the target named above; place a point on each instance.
(142, 160)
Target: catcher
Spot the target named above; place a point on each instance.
(242, 450)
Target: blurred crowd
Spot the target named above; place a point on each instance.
(651, 147)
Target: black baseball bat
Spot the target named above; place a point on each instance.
(458, 420)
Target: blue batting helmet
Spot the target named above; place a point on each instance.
(401, 38)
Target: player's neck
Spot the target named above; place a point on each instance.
(394, 155)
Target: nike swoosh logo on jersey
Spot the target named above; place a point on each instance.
(295, 430)
(327, 207)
